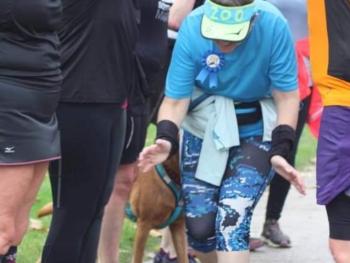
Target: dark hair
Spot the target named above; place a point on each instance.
(233, 2)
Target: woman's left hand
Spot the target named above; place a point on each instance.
(288, 172)
(154, 154)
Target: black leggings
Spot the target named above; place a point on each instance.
(279, 187)
(92, 139)
(338, 211)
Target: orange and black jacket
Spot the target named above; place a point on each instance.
(329, 28)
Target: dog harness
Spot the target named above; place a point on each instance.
(175, 189)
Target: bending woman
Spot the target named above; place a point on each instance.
(30, 80)
(232, 87)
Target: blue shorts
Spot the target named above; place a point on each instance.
(218, 218)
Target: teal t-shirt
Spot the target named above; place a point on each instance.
(265, 60)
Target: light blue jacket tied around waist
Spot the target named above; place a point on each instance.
(214, 120)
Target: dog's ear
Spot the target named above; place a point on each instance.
(172, 167)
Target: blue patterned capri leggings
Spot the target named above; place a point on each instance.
(218, 218)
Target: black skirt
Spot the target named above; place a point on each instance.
(28, 125)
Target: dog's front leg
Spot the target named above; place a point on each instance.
(178, 234)
(142, 232)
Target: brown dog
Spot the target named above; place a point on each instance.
(153, 202)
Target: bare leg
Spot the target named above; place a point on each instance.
(23, 214)
(340, 250)
(166, 243)
(113, 218)
(237, 257)
(18, 188)
(210, 257)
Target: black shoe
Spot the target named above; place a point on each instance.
(10, 256)
(163, 257)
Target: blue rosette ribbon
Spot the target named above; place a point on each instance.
(212, 63)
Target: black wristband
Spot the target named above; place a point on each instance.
(167, 130)
(282, 141)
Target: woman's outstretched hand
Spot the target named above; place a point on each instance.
(154, 154)
(288, 172)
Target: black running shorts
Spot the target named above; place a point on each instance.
(338, 211)
(135, 137)
(28, 125)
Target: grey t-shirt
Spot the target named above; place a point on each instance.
(296, 14)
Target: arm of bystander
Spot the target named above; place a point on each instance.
(178, 11)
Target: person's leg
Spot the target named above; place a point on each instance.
(338, 211)
(22, 217)
(24, 210)
(13, 186)
(167, 249)
(200, 199)
(237, 256)
(113, 218)
(272, 233)
(278, 191)
(18, 188)
(200, 218)
(333, 177)
(340, 250)
(247, 175)
(92, 138)
(208, 257)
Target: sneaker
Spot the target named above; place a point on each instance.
(163, 257)
(10, 256)
(160, 256)
(273, 235)
(255, 243)
(192, 259)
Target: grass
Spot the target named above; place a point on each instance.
(31, 246)
(306, 150)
